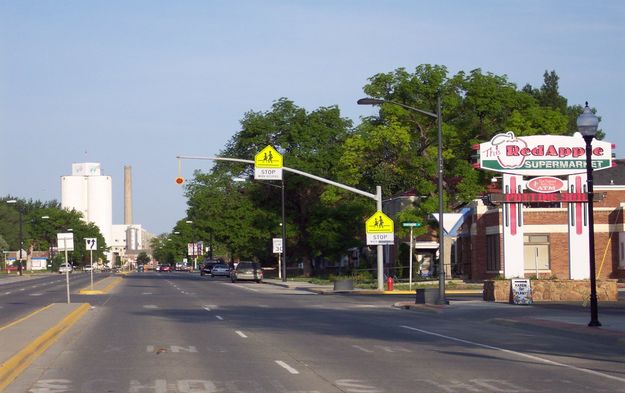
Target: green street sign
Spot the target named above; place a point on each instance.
(410, 224)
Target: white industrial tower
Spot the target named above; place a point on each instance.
(90, 193)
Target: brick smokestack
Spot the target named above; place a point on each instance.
(127, 195)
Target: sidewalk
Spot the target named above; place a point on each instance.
(564, 317)
(329, 289)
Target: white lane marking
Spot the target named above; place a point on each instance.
(521, 354)
(150, 306)
(7, 293)
(357, 386)
(35, 294)
(206, 308)
(287, 367)
(219, 317)
(146, 293)
(22, 289)
(240, 333)
(362, 349)
(247, 287)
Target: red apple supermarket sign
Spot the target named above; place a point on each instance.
(541, 154)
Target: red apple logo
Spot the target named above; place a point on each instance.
(509, 149)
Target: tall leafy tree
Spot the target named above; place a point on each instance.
(41, 221)
(310, 142)
(398, 150)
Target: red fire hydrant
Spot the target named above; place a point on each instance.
(389, 283)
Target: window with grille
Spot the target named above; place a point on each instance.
(492, 253)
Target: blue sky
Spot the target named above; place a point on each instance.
(140, 82)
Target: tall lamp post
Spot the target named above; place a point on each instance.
(587, 124)
(19, 262)
(441, 230)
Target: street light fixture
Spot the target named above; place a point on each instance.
(441, 230)
(19, 262)
(587, 124)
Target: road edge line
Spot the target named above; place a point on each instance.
(14, 366)
(25, 317)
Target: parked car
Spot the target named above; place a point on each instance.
(247, 271)
(65, 268)
(183, 267)
(165, 268)
(208, 266)
(221, 269)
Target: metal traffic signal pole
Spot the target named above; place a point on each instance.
(283, 236)
(376, 197)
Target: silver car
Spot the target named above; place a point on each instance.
(220, 269)
(247, 271)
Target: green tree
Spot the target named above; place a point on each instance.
(244, 217)
(143, 258)
(398, 148)
(41, 222)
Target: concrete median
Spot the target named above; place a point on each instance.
(101, 287)
(23, 340)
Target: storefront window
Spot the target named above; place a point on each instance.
(536, 253)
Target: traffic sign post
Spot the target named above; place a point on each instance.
(91, 243)
(380, 229)
(67, 240)
(277, 249)
(410, 225)
(268, 164)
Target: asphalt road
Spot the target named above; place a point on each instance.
(179, 332)
(22, 295)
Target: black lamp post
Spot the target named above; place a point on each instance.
(587, 124)
(441, 230)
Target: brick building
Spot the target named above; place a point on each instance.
(550, 247)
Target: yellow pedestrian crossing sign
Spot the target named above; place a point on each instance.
(268, 164)
(380, 229)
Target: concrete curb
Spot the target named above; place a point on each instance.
(106, 284)
(16, 364)
(431, 308)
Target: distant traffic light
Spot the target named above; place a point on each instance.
(179, 180)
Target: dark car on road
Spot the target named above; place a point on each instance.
(208, 265)
(247, 271)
